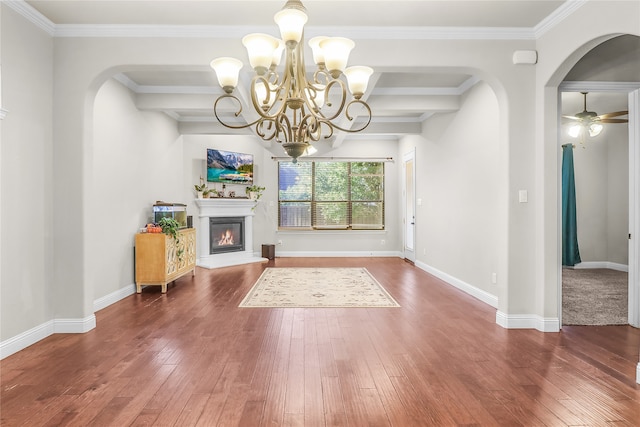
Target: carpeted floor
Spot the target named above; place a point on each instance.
(317, 287)
(594, 297)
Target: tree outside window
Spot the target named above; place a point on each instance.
(331, 195)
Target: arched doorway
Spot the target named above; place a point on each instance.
(607, 73)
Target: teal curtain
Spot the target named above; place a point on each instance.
(570, 251)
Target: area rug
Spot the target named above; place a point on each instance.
(317, 287)
(594, 297)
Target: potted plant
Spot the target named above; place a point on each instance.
(200, 189)
(254, 192)
(208, 192)
(170, 227)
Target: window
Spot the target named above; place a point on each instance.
(331, 195)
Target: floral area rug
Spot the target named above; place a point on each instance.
(317, 287)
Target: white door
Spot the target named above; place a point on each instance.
(409, 218)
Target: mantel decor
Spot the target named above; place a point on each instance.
(291, 108)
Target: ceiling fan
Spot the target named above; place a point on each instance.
(590, 121)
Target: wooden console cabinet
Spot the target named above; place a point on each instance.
(157, 260)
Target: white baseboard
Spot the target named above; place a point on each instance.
(338, 254)
(601, 264)
(40, 332)
(74, 326)
(114, 297)
(62, 326)
(478, 293)
(507, 321)
(527, 321)
(25, 339)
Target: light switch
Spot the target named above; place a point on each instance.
(419, 202)
(522, 196)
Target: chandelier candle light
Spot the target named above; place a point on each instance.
(292, 109)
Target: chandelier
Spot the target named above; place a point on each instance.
(292, 109)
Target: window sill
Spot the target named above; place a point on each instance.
(329, 232)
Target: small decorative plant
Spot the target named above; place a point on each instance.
(200, 188)
(170, 227)
(254, 191)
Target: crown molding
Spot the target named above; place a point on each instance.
(234, 32)
(594, 86)
(370, 33)
(31, 14)
(557, 16)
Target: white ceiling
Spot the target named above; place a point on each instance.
(187, 95)
(447, 13)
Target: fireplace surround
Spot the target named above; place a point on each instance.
(212, 210)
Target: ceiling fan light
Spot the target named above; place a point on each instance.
(574, 130)
(336, 53)
(595, 129)
(260, 48)
(227, 70)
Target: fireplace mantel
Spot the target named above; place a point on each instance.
(219, 208)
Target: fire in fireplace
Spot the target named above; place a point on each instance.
(226, 234)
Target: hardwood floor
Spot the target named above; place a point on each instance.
(191, 357)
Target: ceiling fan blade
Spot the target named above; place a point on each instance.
(615, 114)
(613, 121)
(571, 118)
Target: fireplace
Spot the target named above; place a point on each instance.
(226, 234)
(237, 216)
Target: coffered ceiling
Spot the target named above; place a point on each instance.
(401, 99)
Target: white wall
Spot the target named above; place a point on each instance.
(457, 178)
(195, 166)
(137, 160)
(27, 204)
(266, 219)
(618, 195)
(559, 49)
(602, 196)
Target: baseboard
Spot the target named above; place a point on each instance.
(40, 332)
(338, 254)
(114, 297)
(25, 339)
(601, 264)
(62, 326)
(475, 292)
(74, 326)
(527, 321)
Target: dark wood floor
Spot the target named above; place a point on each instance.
(193, 358)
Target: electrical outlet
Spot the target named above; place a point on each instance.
(494, 278)
(382, 242)
(280, 241)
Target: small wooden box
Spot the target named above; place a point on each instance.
(269, 251)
